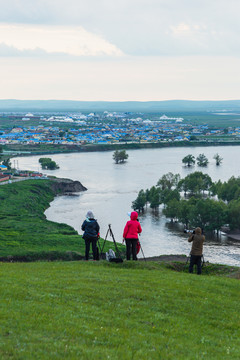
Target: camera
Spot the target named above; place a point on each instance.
(186, 231)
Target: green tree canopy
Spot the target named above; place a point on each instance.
(188, 160)
(229, 190)
(120, 156)
(218, 159)
(154, 197)
(171, 210)
(195, 183)
(47, 163)
(202, 160)
(140, 201)
(184, 210)
(168, 181)
(234, 214)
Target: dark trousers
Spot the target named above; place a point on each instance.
(195, 259)
(131, 245)
(92, 241)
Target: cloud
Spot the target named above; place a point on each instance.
(139, 27)
(36, 40)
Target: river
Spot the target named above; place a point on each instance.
(112, 188)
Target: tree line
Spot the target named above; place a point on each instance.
(194, 200)
(202, 160)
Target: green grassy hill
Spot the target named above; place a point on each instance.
(98, 310)
(25, 234)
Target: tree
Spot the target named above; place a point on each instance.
(7, 163)
(120, 156)
(218, 214)
(202, 160)
(171, 210)
(195, 182)
(218, 159)
(153, 197)
(140, 201)
(168, 181)
(61, 133)
(184, 210)
(188, 160)
(168, 195)
(193, 138)
(155, 201)
(47, 163)
(229, 190)
(199, 215)
(234, 214)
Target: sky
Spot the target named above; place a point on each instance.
(131, 50)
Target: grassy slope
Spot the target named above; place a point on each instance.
(79, 310)
(24, 230)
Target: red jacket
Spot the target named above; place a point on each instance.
(132, 227)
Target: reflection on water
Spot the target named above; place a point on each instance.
(112, 188)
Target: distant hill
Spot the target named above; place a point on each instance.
(125, 106)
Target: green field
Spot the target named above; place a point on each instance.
(25, 234)
(98, 310)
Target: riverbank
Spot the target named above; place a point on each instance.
(41, 149)
(25, 233)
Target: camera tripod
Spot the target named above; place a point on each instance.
(109, 232)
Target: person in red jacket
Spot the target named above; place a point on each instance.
(130, 235)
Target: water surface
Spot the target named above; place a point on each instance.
(112, 188)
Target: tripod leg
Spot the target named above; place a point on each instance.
(142, 251)
(111, 233)
(101, 248)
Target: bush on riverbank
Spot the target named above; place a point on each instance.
(98, 310)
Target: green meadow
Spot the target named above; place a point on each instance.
(99, 310)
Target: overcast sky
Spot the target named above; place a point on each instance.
(127, 50)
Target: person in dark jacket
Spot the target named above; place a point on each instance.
(91, 229)
(130, 235)
(197, 240)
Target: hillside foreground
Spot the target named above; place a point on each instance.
(99, 310)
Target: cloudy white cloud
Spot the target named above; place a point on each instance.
(140, 27)
(30, 39)
(125, 50)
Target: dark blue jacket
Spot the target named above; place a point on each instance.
(90, 228)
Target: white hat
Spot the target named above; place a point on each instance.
(90, 214)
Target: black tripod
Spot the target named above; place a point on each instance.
(109, 231)
(142, 250)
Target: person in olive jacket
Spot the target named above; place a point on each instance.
(130, 235)
(197, 240)
(91, 229)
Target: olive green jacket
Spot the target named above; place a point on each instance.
(197, 244)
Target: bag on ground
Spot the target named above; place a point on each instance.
(110, 255)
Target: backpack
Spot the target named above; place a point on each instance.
(110, 255)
